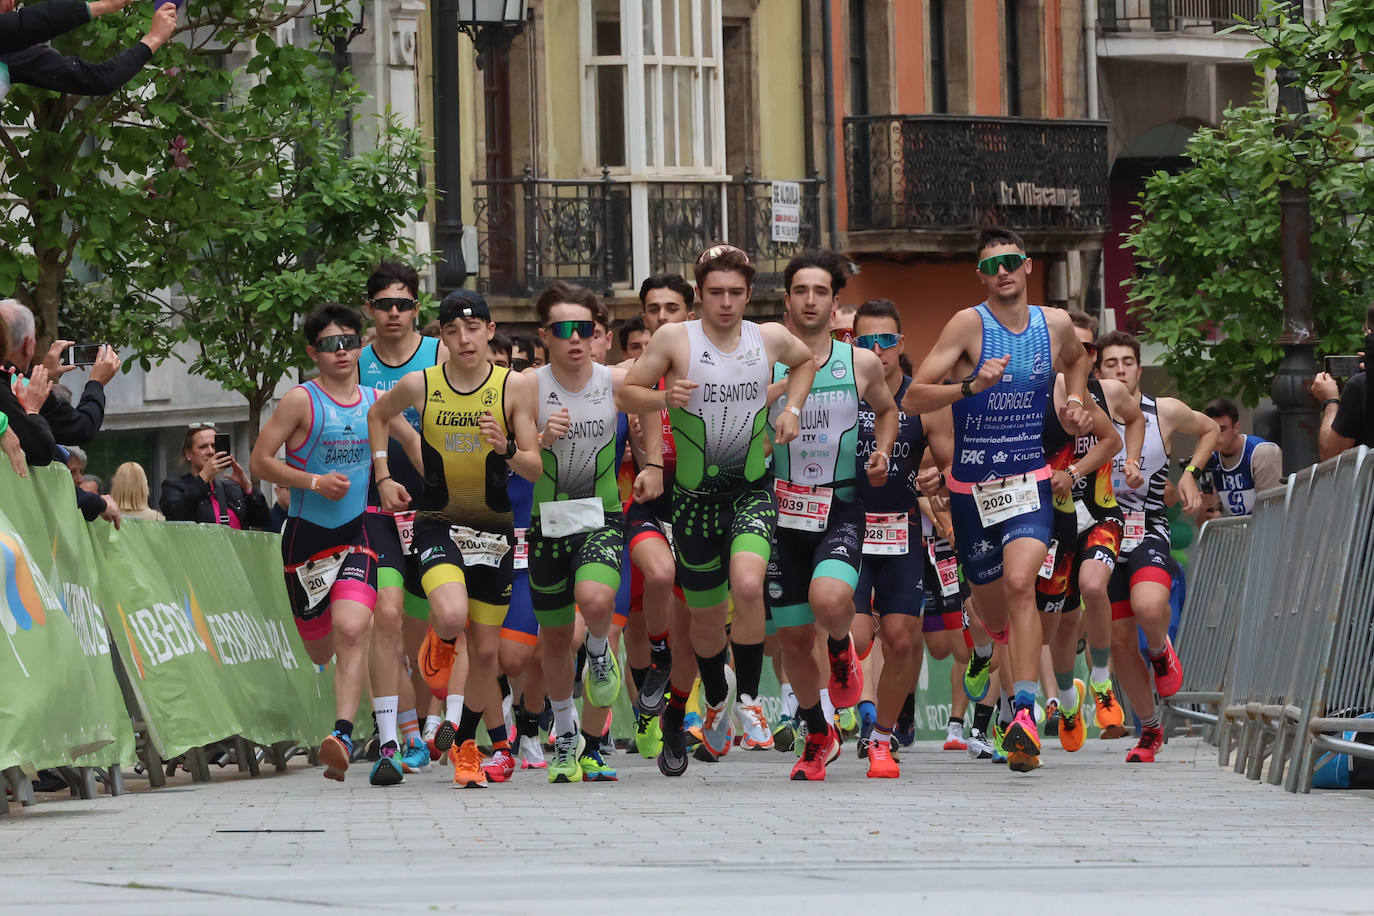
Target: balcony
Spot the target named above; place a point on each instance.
(928, 183)
(533, 231)
(1176, 31)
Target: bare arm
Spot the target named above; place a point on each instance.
(409, 392)
(1329, 442)
(801, 372)
(1266, 464)
(637, 393)
(649, 481)
(927, 391)
(520, 419)
(1183, 419)
(404, 433)
(1108, 441)
(1072, 361)
(1123, 405)
(290, 421)
(886, 423)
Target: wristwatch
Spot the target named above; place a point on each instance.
(510, 450)
(967, 387)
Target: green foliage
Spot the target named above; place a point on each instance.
(1207, 240)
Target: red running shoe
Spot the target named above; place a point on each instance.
(499, 765)
(1168, 671)
(1151, 740)
(818, 751)
(846, 677)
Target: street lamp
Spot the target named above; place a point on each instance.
(491, 24)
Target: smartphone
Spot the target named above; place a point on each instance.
(82, 354)
(223, 443)
(1343, 366)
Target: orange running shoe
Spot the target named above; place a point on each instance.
(1073, 728)
(467, 766)
(1022, 743)
(335, 751)
(880, 762)
(1109, 714)
(436, 663)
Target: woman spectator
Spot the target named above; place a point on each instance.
(201, 495)
(130, 491)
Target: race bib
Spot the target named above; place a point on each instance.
(667, 532)
(803, 508)
(886, 534)
(947, 570)
(565, 517)
(1135, 531)
(1047, 567)
(1084, 517)
(317, 577)
(522, 548)
(1000, 500)
(479, 548)
(405, 528)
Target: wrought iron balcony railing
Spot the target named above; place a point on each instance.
(1191, 16)
(951, 172)
(533, 231)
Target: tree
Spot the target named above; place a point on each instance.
(1206, 239)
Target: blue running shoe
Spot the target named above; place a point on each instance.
(416, 755)
(594, 768)
(387, 770)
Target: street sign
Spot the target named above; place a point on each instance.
(786, 211)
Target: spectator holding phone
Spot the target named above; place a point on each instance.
(203, 494)
(42, 66)
(70, 425)
(1347, 413)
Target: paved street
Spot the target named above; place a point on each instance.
(1180, 834)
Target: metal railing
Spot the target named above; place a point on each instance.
(956, 172)
(1201, 16)
(532, 231)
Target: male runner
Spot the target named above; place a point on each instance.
(1007, 352)
(1140, 584)
(716, 372)
(474, 420)
(331, 570)
(1242, 465)
(577, 530)
(393, 291)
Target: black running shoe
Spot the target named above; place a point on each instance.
(672, 759)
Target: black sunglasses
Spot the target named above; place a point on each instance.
(386, 305)
(336, 342)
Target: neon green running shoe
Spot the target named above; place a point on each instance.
(565, 764)
(785, 734)
(848, 720)
(977, 677)
(602, 679)
(594, 767)
(998, 733)
(648, 735)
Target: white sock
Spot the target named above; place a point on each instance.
(432, 723)
(827, 707)
(453, 708)
(1100, 675)
(597, 645)
(384, 708)
(983, 651)
(564, 717)
(1068, 699)
(789, 702)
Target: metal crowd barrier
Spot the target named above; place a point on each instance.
(1207, 631)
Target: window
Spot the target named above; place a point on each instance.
(673, 65)
(858, 59)
(939, 79)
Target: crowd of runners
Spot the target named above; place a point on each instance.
(478, 529)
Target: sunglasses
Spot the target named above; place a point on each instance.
(1091, 348)
(400, 304)
(715, 251)
(1012, 262)
(335, 342)
(881, 341)
(565, 329)
(519, 364)
(202, 424)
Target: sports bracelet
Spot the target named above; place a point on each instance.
(381, 453)
(651, 465)
(381, 480)
(1074, 399)
(314, 481)
(794, 409)
(1335, 401)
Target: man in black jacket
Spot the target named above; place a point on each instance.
(70, 425)
(46, 21)
(40, 65)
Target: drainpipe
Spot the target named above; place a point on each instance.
(452, 270)
(832, 206)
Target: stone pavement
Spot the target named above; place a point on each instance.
(1085, 833)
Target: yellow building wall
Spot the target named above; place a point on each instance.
(778, 35)
(560, 133)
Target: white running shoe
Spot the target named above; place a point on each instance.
(979, 747)
(756, 735)
(531, 754)
(954, 737)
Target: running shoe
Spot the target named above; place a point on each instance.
(785, 734)
(531, 754)
(430, 732)
(861, 747)
(445, 736)
(880, 762)
(335, 752)
(436, 664)
(672, 757)
(904, 732)
(594, 768)
(846, 677)
(1168, 671)
(700, 752)
(1073, 727)
(1109, 714)
(655, 690)
(1151, 740)
(999, 753)
(847, 720)
(566, 764)
(754, 727)
(416, 756)
(467, 766)
(371, 752)
(715, 725)
(979, 747)
(499, 766)
(1022, 743)
(1052, 717)
(648, 735)
(387, 770)
(977, 677)
(954, 737)
(817, 752)
(602, 679)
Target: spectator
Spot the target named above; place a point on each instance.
(633, 337)
(1240, 467)
(91, 484)
(40, 22)
(281, 508)
(40, 65)
(500, 347)
(76, 462)
(130, 491)
(1345, 411)
(201, 495)
(27, 439)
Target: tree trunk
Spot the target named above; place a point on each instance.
(47, 296)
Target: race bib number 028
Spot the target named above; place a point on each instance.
(886, 534)
(803, 508)
(1000, 500)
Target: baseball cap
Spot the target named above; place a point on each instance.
(463, 303)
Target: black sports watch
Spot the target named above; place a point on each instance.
(510, 450)
(967, 387)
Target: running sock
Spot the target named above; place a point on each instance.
(837, 647)
(714, 688)
(500, 741)
(453, 707)
(504, 685)
(638, 675)
(676, 710)
(748, 666)
(1068, 698)
(451, 642)
(1099, 658)
(592, 742)
(384, 710)
(827, 704)
(659, 653)
(344, 727)
(1004, 710)
(408, 721)
(580, 665)
(984, 652)
(955, 720)
(815, 719)
(597, 645)
(1157, 651)
(868, 713)
(526, 723)
(1151, 722)
(982, 717)
(882, 733)
(564, 718)
(467, 725)
(432, 722)
(789, 701)
(1099, 675)
(1026, 692)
